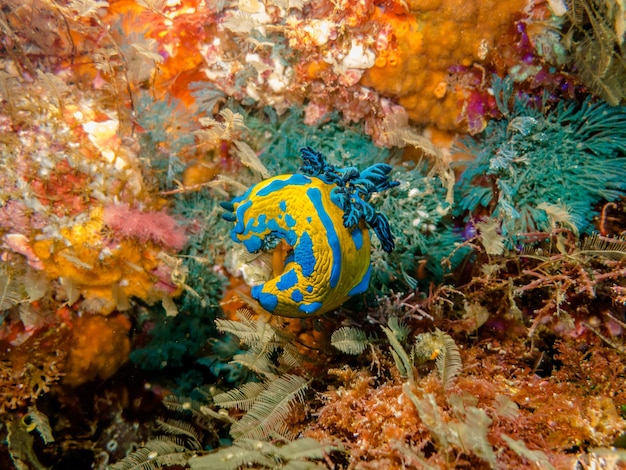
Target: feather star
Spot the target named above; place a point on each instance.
(315, 224)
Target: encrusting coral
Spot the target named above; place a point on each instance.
(417, 50)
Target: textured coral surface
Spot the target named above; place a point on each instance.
(418, 50)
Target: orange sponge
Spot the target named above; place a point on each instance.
(100, 346)
(416, 51)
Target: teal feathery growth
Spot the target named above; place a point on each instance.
(569, 155)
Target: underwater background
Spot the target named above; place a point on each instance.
(312, 234)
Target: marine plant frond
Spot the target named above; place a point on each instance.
(185, 405)
(559, 216)
(535, 456)
(399, 328)
(182, 405)
(604, 247)
(241, 397)
(19, 443)
(350, 340)
(291, 357)
(155, 454)
(540, 250)
(37, 420)
(448, 360)
(225, 128)
(207, 96)
(11, 291)
(261, 454)
(468, 433)
(156, 6)
(249, 158)
(595, 40)
(288, 4)
(240, 23)
(400, 356)
(305, 448)
(411, 455)
(505, 407)
(9, 87)
(251, 331)
(271, 408)
(489, 235)
(182, 429)
(241, 454)
(431, 415)
(258, 361)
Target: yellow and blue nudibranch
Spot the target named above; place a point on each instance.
(315, 223)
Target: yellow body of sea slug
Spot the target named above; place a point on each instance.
(315, 223)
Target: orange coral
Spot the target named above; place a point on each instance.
(99, 348)
(416, 51)
(180, 31)
(106, 276)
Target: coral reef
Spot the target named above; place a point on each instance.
(481, 327)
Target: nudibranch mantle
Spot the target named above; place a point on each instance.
(314, 223)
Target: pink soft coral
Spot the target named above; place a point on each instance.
(155, 226)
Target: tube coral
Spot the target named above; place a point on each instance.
(314, 223)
